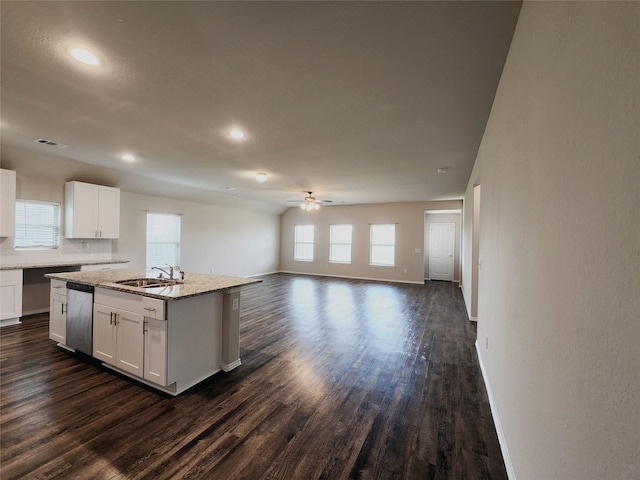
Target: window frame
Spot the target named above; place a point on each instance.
(332, 243)
(54, 227)
(371, 244)
(296, 242)
(178, 244)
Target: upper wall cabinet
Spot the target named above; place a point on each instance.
(7, 203)
(91, 211)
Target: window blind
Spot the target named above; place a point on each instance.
(163, 239)
(37, 225)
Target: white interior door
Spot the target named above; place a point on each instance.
(441, 248)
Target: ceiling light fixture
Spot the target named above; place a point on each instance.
(127, 157)
(84, 56)
(236, 133)
(442, 170)
(261, 177)
(310, 203)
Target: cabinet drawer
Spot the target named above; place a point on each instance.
(59, 287)
(153, 308)
(149, 307)
(11, 276)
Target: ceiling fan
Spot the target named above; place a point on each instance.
(310, 203)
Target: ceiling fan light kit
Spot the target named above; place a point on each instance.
(310, 203)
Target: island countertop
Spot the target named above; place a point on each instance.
(194, 283)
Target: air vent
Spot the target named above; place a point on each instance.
(50, 143)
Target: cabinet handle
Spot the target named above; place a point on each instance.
(110, 318)
(100, 233)
(150, 309)
(144, 326)
(58, 286)
(62, 305)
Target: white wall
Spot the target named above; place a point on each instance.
(229, 241)
(559, 288)
(409, 218)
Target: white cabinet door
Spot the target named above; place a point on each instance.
(81, 210)
(7, 203)
(118, 338)
(58, 318)
(104, 334)
(129, 341)
(91, 211)
(11, 295)
(109, 212)
(155, 351)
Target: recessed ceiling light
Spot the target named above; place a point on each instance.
(236, 133)
(84, 56)
(442, 170)
(128, 157)
(261, 177)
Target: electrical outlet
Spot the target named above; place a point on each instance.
(212, 270)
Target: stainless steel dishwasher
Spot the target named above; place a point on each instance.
(80, 317)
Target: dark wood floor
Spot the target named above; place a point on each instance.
(339, 379)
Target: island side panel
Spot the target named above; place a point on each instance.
(194, 336)
(231, 329)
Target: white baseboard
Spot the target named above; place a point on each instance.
(354, 278)
(496, 418)
(35, 311)
(231, 366)
(10, 321)
(263, 274)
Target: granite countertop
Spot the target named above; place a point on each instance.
(65, 263)
(194, 283)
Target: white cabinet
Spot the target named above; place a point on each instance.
(118, 338)
(58, 312)
(10, 296)
(155, 351)
(91, 211)
(129, 332)
(7, 203)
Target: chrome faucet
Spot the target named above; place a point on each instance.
(163, 270)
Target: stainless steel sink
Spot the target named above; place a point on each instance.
(149, 282)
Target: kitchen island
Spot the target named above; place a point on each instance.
(169, 334)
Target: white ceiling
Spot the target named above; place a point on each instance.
(359, 102)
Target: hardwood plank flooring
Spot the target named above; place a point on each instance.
(339, 379)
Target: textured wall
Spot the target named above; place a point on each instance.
(559, 286)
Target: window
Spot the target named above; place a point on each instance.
(383, 245)
(303, 243)
(37, 225)
(163, 239)
(340, 243)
